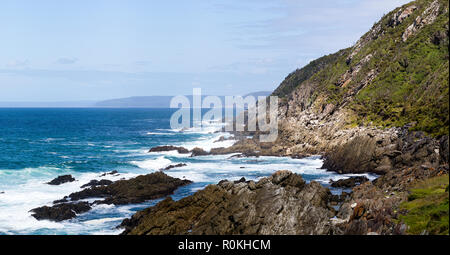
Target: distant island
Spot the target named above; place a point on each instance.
(128, 102)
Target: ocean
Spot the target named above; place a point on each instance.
(39, 144)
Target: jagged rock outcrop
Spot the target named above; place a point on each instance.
(135, 190)
(60, 212)
(180, 150)
(428, 16)
(380, 155)
(280, 204)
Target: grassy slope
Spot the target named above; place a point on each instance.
(412, 81)
(427, 207)
(294, 79)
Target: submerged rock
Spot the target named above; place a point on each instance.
(61, 179)
(280, 204)
(174, 166)
(109, 173)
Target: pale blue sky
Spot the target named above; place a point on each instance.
(99, 49)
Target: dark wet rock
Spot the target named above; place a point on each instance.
(349, 182)
(180, 150)
(64, 200)
(97, 183)
(61, 179)
(279, 204)
(110, 173)
(198, 152)
(60, 212)
(135, 190)
(174, 166)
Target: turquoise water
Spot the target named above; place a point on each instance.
(37, 145)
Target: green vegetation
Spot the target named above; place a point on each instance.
(295, 78)
(427, 207)
(410, 85)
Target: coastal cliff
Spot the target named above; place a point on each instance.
(380, 106)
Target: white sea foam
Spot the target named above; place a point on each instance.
(159, 133)
(172, 153)
(29, 190)
(153, 164)
(101, 221)
(208, 142)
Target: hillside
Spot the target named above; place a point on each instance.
(396, 74)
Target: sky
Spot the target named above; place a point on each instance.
(54, 50)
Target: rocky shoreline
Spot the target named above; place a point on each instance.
(350, 108)
(321, 112)
(284, 204)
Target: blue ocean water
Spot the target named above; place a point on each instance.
(37, 145)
